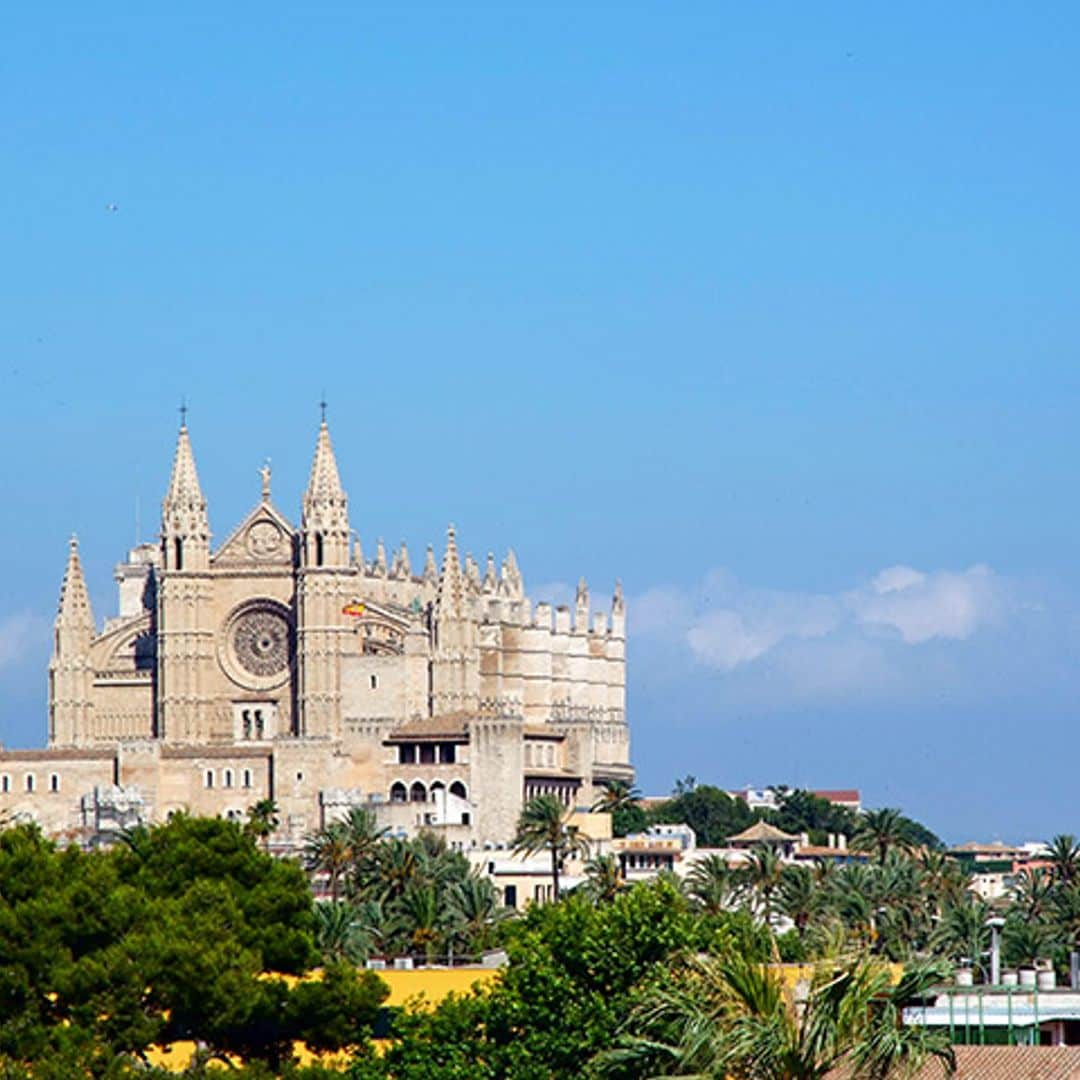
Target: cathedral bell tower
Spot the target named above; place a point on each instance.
(70, 671)
(323, 583)
(185, 617)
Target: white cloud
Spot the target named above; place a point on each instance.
(921, 607)
(20, 634)
(773, 644)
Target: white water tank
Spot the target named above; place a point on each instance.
(1047, 980)
(1027, 976)
(1009, 978)
(965, 977)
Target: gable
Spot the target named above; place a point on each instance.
(264, 538)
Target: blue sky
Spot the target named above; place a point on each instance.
(769, 310)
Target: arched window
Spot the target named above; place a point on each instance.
(228, 777)
(179, 547)
(209, 778)
(318, 549)
(247, 778)
(398, 792)
(458, 788)
(5, 783)
(418, 793)
(436, 788)
(54, 782)
(29, 781)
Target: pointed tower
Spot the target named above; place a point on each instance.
(378, 567)
(491, 581)
(324, 519)
(324, 582)
(185, 527)
(455, 670)
(185, 615)
(70, 673)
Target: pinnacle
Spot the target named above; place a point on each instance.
(324, 482)
(75, 612)
(184, 489)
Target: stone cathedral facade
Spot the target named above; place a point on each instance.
(283, 664)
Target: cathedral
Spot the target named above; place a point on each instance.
(283, 665)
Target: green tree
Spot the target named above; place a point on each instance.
(1064, 855)
(711, 813)
(263, 821)
(712, 884)
(603, 878)
(544, 825)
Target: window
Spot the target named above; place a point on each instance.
(54, 782)
(427, 754)
(374, 682)
(260, 730)
(510, 896)
(5, 783)
(247, 778)
(29, 781)
(318, 549)
(406, 753)
(398, 792)
(179, 546)
(247, 723)
(299, 777)
(418, 793)
(447, 753)
(458, 788)
(228, 777)
(208, 780)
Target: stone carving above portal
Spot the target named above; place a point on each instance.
(256, 645)
(264, 539)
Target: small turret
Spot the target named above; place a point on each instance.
(581, 608)
(404, 567)
(70, 675)
(618, 612)
(512, 584)
(431, 570)
(472, 572)
(378, 567)
(491, 581)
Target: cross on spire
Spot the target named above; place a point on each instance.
(322, 407)
(183, 412)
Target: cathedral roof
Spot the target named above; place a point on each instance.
(453, 726)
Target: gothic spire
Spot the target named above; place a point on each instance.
(185, 527)
(324, 516)
(74, 619)
(451, 595)
(184, 486)
(404, 565)
(581, 607)
(324, 484)
(379, 566)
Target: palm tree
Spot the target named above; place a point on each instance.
(262, 821)
(761, 876)
(544, 826)
(962, 935)
(1033, 894)
(1064, 857)
(339, 933)
(328, 851)
(734, 1017)
(711, 884)
(799, 898)
(604, 878)
(474, 912)
(422, 916)
(617, 795)
(881, 830)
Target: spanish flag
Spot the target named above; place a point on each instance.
(354, 608)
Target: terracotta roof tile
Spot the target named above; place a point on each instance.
(1003, 1063)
